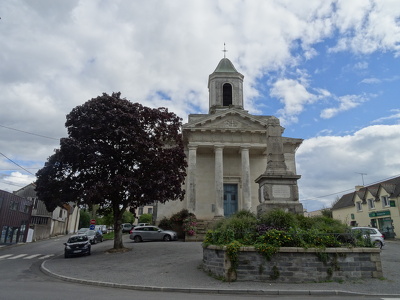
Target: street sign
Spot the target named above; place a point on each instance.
(92, 227)
(93, 222)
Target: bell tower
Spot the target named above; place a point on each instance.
(225, 86)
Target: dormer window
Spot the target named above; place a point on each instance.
(385, 201)
(371, 203)
(227, 94)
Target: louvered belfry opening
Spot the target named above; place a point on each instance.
(227, 94)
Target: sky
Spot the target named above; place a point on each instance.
(329, 70)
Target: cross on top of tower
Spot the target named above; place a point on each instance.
(224, 51)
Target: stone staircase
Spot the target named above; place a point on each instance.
(202, 227)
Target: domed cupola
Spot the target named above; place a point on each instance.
(225, 86)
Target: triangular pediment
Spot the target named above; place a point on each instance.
(231, 119)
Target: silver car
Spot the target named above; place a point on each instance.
(373, 234)
(152, 233)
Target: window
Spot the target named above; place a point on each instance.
(150, 210)
(13, 205)
(226, 94)
(140, 211)
(359, 206)
(26, 208)
(385, 201)
(371, 203)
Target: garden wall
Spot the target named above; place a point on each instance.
(293, 264)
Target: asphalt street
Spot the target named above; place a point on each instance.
(176, 266)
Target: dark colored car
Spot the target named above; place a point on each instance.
(152, 233)
(94, 236)
(77, 245)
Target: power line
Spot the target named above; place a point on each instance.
(11, 183)
(313, 198)
(17, 169)
(43, 136)
(17, 164)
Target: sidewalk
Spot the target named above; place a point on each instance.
(175, 266)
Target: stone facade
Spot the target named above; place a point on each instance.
(295, 265)
(228, 149)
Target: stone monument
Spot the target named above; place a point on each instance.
(277, 185)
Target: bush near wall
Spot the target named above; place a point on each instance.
(177, 221)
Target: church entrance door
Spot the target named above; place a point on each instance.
(230, 199)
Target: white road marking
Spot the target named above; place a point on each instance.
(32, 256)
(46, 256)
(25, 256)
(17, 256)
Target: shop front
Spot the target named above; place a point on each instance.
(383, 221)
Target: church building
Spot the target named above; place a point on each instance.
(228, 150)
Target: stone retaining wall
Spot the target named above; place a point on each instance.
(292, 264)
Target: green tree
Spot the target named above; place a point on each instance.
(146, 218)
(84, 219)
(118, 154)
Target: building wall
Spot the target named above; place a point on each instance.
(385, 218)
(15, 213)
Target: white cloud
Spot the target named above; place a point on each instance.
(331, 164)
(367, 26)
(295, 96)
(345, 103)
(371, 80)
(15, 181)
(394, 116)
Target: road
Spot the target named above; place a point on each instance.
(21, 278)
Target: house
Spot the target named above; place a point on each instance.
(15, 214)
(146, 209)
(227, 151)
(375, 205)
(45, 224)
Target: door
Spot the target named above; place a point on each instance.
(230, 199)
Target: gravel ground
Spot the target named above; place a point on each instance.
(176, 265)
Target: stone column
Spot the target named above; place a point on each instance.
(191, 179)
(246, 185)
(219, 181)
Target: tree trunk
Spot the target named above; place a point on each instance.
(118, 244)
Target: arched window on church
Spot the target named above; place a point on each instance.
(226, 94)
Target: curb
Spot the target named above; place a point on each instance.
(45, 270)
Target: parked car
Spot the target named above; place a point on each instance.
(77, 245)
(152, 233)
(143, 224)
(94, 236)
(373, 234)
(82, 230)
(126, 227)
(102, 228)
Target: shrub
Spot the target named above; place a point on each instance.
(165, 224)
(180, 216)
(242, 225)
(279, 219)
(146, 218)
